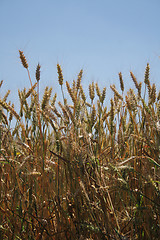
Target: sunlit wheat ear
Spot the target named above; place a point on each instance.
(146, 75)
(26, 110)
(60, 75)
(93, 115)
(78, 109)
(158, 97)
(103, 95)
(91, 91)
(152, 97)
(70, 92)
(146, 78)
(38, 72)
(116, 92)
(54, 109)
(121, 81)
(129, 106)
(116, 100)
(1, 82)
(9, 108)
(99, 107)
(20, 95)
(79, 79)
(98, 91)
(4, 118)
(49, 113)
(46, 97)
(133, 100)
(134, 80)
(54, 100)
(6, 95)
(25, 64)
(82, 94)
(30, 90)
(74, 86)
(105, 116)
(139, 89)
(23, 59)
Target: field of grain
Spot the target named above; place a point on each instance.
(78, 169)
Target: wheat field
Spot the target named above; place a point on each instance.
(76, 168)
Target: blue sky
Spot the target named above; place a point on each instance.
(103, 37)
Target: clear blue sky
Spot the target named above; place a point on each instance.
(103, 37)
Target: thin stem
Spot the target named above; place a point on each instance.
(29, 77)
(62, 94)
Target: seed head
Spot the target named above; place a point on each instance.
(82, 94)
(60, 75)
(121, 81)
(103, 95)
(116, 92)
(91, 91)
(23, 59)
(146, 76)
(38, 72)
(98, 90)
(134, 80)
(79, 79)
(153, 94)
(1, 83)
(158, 97)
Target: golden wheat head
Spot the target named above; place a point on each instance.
(23, 59)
